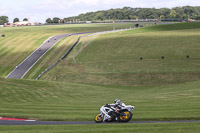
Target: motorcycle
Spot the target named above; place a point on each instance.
(112, 112)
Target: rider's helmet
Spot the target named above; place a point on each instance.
(117, 101)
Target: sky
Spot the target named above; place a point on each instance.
(40, 10)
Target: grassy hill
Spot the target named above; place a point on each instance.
(114, 59)
(108, 67)
(78, 102)
(21, 41)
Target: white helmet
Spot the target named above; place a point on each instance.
(117, 101)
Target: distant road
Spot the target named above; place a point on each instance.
(7, 122)
(20, 71)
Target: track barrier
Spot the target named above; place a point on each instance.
(67, 53)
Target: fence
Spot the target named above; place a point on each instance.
(67, 53)
(63, 57)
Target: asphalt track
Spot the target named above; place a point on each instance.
(28, 63)
(20, 70)
(7, 122)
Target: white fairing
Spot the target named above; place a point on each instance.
(129, 108)
(105, 110)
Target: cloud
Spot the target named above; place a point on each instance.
(39, 10)
(118, 2)
(62, 4)
(3, 10)
(171, 3)
(86, 2)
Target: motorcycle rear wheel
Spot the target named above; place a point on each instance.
(98, 118)
(127, 117)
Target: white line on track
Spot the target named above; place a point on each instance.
(29, 56)
(51, 48)
(40, 56)
(30, 120)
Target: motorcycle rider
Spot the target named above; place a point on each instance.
(113, 107)
(118, 103)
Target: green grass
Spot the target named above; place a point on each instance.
(78, 102)
(22, 41)
(169, 27)
(51, 56)
(114, 58)
(106, 128)
(108, 68)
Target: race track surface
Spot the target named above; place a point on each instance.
(20, 70)
(7, 122)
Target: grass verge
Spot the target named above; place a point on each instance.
(106, 128)
(81, 102)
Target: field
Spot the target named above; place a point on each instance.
(101, 69)
(114, 59)
(21, 41)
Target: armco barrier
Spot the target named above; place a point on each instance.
(65, 55)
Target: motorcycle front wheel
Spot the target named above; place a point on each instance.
(125, 116)
(98, 118)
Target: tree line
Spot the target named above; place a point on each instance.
(17, 20)
(183, 13)
(5, 19)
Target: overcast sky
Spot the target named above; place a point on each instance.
(40, 10)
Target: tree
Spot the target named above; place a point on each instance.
(173, 14)
(4, 19)
(49, 21)
(56, 20)
(1, 22)
(164, 11)
(25, 19)
(185, 16)
(16, 20)
(179, 12)
(162, 17)
(142, 13)
(197, 18)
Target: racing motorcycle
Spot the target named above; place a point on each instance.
(111, 112)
